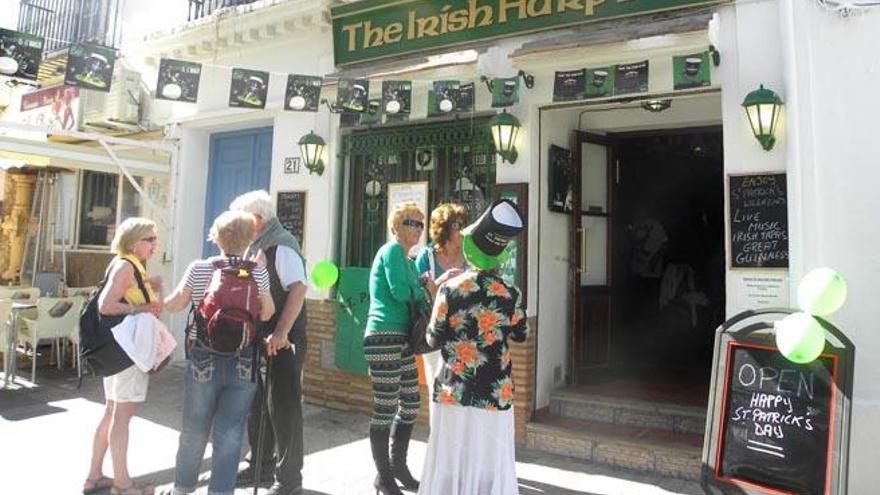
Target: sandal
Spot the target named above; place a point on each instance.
(96, 485)
(132, 490)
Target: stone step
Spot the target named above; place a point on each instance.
(628, 412)
(653, 451)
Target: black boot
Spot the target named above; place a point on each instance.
(400, 434)
(384, 481)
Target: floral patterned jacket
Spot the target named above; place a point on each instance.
(474, 315)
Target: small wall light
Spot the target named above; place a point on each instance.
(311, 146)
(657, 105)
(762, 108)
(505, 128)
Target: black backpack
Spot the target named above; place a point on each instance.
(98, 349)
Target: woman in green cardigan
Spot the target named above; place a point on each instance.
(393, 284)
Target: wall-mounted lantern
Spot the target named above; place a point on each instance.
(657, 106)
(505, 129)
(311, 146)
(762, 108)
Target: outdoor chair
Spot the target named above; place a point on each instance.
(81, 291)
(56, 318)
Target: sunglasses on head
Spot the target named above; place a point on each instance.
(150, 239)
(416, 224)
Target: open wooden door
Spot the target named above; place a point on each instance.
(590, 283)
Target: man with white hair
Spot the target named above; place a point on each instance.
(283, 433)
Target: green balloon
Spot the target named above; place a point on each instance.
(324, 274)
(800, 338)
(821, 292)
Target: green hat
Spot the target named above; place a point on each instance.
(485, 241)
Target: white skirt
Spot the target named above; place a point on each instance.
(470, 452)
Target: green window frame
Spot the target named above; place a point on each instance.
(456, 157)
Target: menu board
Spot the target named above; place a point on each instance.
(758, 221)
(776, 420)
(291, 212)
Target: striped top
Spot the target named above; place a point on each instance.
(198, 275)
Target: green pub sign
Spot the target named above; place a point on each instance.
(373, 29)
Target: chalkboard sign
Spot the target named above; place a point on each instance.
(775, 428)
(758, 221)
(292, 213)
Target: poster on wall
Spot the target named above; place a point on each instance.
(569, 85)
(248, 88)
(505, 92)
(20, 54)
(396, 99)
(303, 93)
(631, 78)
(599, 82)
(352, 95)
(560, 197)
(417, 192)
(178, 80)
(90, 66)
(373, 114)
(56, 108)
(444, 97)
(691, 71)
(465, 98)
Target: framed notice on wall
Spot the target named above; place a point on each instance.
(515, 269)
(417, 192)
(291, 212)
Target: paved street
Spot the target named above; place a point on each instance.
(46, 432)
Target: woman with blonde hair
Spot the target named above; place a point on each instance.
(440, 262)
(218, 387)
(128, 291)
(393, 286)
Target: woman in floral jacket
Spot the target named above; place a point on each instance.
(471, 447)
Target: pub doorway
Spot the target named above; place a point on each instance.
(653, 213)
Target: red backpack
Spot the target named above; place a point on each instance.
(227, 316)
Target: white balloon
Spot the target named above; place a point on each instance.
(821, 292)
(800, 338)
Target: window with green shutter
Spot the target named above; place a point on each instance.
(455, 157)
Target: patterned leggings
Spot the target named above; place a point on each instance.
(394, 377)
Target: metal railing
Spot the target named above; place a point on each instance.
(62, 22)
(204, 8)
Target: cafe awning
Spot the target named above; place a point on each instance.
(24, 144)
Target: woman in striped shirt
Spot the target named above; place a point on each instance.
(218, 389)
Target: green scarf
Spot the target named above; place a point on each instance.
(274, 234)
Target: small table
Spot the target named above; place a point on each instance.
(9, 358)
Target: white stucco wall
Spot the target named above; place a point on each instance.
(832, 135)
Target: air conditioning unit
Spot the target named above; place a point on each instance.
(117, 109)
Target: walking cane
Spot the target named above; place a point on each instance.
(264, 405)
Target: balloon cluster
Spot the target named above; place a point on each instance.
(799, 336)
(324, 274)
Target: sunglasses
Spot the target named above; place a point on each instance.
(416, 224)
(150, 239)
